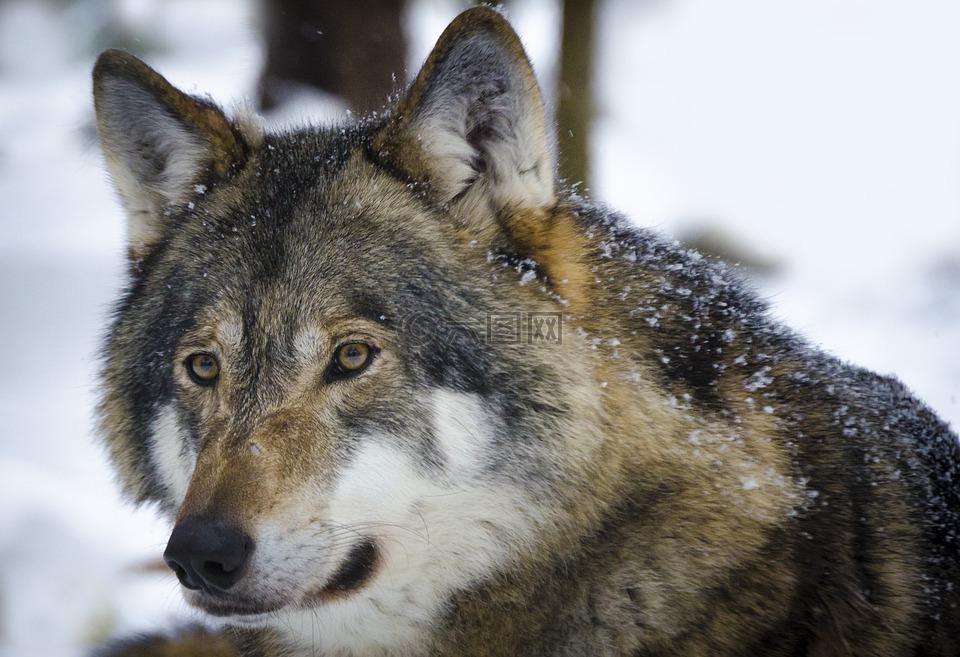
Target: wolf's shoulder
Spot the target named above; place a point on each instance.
(679, 269)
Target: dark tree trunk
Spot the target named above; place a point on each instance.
(575, 93)
(354, 49)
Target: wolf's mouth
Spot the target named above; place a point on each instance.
(356, 570)
(237, 610)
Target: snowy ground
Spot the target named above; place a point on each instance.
(824, 134)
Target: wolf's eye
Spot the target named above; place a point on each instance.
(350, 359)
(353, 356)
(203, 368)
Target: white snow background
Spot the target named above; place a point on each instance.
(823, 134)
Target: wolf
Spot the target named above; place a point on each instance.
(401, 392)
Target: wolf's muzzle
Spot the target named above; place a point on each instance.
(207, 553)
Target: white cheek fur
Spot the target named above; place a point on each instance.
(436, 534)
(171, 455)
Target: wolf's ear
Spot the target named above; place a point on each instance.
(159, 143)
(473, 122)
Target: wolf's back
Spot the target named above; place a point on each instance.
(870, 549)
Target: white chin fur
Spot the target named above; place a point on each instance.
(436, 534)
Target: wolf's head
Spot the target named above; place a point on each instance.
(338, 363)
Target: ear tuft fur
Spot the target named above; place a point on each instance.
(159, 143)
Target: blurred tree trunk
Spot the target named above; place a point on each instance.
(575, 93)
(354, 49)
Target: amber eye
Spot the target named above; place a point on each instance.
(203, 368)
(353, 356)
(350, 359)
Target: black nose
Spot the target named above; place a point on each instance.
(207, 553)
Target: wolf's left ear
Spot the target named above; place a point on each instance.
(473, 123)
(159, 142)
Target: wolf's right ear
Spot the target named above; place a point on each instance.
(160, 144)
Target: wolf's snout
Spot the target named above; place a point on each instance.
(207, 553)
